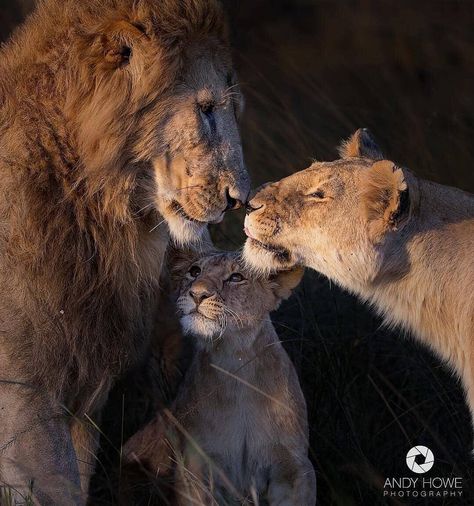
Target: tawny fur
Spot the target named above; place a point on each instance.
(238, 431)
(104, 151)
(403, 244)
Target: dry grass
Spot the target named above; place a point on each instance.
(314, 71)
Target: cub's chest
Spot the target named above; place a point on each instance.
(234, 426)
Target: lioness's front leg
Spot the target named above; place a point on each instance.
(37, 459)
(292, 483)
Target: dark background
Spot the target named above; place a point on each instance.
(313, 72)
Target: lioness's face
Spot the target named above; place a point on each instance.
(217, 293)
(332, 217)
(157, 98)
(306, 218)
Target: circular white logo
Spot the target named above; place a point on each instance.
(420, 459)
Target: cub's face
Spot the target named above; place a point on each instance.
(217, 293)
(332, 217)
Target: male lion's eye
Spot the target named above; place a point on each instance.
(318, 194)
(207, 108)
(195, 271)
(236, 277)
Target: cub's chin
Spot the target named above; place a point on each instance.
(198, 325)
(265, 258)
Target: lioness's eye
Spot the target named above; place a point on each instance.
(195, 271)
(236, 277)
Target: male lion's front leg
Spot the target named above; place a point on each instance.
(37, 460)
(85, 439)
(292, 482)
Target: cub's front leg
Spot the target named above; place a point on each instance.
(292, 482)
(194, 481)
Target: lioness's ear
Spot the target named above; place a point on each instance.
(285, 281)
(385, 198)
(360, 145)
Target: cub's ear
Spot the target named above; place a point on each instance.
(284, 282)
(360, 145)
(385, 198)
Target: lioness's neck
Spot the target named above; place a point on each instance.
(424, 281)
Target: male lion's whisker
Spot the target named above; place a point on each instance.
(156, 226)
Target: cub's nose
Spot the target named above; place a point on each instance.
(199, 294)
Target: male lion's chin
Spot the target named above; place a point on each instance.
(200, 326)
(264, 258)
(184, 231)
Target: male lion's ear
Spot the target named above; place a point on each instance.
(284, 282)
(360, 145)
(117, 40)
(385, 198)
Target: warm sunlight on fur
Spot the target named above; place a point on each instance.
(401, 243)
(118, 128)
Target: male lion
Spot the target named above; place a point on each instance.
(118, 123)
(401, 243)
(239, 425)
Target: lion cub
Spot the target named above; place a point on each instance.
(240, 427)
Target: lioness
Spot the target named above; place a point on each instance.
(403, 244)
(240, 413)
(118, 129)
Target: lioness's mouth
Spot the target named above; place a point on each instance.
(281, 254)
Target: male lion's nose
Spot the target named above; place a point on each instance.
(232, 203)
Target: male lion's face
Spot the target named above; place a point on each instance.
(333, 217)
(201, 173)
(218, 294)
(153, 94)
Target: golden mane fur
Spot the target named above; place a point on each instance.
(87, 91)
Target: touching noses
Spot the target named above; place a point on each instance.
(200, 292)
(258, 200)
(233, 198)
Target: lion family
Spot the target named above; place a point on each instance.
(119, 134)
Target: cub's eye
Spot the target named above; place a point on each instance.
(195, 271)
(236, 277)
(318, 194)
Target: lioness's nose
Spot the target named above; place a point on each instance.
(252, 206)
